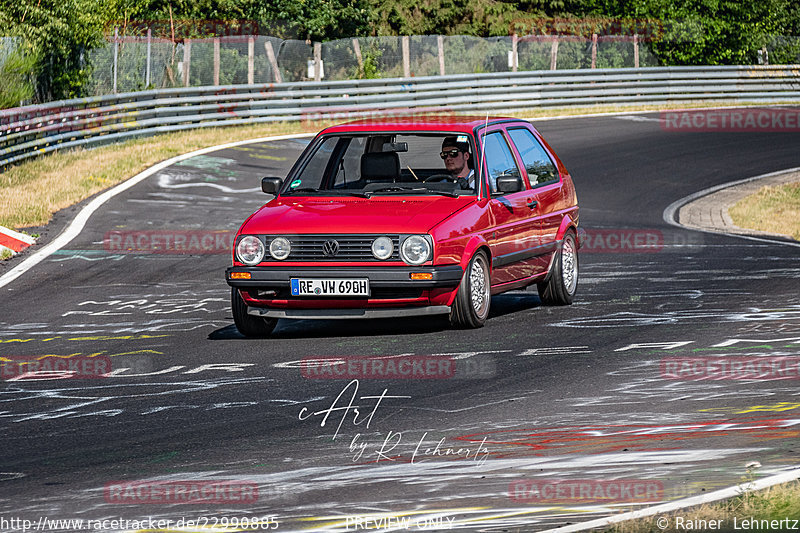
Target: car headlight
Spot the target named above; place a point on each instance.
(415, 250)
(250, 250)
(382, 248)
(280, 248)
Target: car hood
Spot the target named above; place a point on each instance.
(380, 214)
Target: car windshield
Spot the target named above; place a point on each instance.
(386, 164)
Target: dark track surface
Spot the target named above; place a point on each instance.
(558, 394)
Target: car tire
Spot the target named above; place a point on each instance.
(249, 325)
(562, 283)
(473, 299)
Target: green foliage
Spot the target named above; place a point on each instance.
(17, 70)
(62, 35)
(318, 20)
(707, 32)
(59, 32)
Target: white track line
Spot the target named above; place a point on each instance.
(77, 225)
(671, 211)
(722, 494)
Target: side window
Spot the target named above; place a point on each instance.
(349, 166)
(313, 173)
(538, 165)
(499, 159)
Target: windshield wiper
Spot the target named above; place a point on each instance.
(302, 189)
(332, 192)
(416, 190)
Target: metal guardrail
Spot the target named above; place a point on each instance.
(30, 131)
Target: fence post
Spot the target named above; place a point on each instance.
(594, 50)
(251, 60)
(273, 62)
(635, 51)
(514, 59)
(554, 53)
(116, 57)
(440, 46)
(406, 58)
(317, 61)
(216, 60)
(187, 58)
(359, 57)
(149, 53)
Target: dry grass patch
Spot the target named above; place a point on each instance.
(31, 192)
(779, 502)
(774, 209)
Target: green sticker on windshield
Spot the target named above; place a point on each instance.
(295, 183)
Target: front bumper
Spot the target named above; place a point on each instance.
(333, 314)
(381, 277)
(392, 293)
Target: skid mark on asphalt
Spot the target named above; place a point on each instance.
(143, 312)
(484, 493)
(624, 319)
(207, 162)
(168, 181)
(81, 400)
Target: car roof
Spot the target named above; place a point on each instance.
(456, 123)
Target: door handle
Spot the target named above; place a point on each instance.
(532, 204)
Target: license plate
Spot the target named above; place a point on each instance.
(330, 287)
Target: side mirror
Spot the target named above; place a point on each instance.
(508, 184)
(271, 185)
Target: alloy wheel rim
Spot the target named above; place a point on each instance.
(479, 288)
(569, 265)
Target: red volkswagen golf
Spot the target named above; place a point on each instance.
(408, 216)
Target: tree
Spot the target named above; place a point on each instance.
(59, 33)
(707, 32)
(17, 70)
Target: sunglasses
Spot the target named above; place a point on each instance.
(449, 153)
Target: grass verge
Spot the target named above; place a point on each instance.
(777, 503)
(774, 209)
(32, 191)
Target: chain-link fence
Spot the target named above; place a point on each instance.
(137, 63)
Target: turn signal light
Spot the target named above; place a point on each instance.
(240, 275)
(421, 276)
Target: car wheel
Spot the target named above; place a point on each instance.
(562, 283)
(249, 325)
(474, 294)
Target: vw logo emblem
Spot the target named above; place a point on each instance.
(330, 248)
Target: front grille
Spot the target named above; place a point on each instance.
(350, 247)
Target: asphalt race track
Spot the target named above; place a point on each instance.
(580, 393)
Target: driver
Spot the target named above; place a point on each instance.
(456, 156)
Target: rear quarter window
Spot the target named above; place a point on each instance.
(538, 165)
